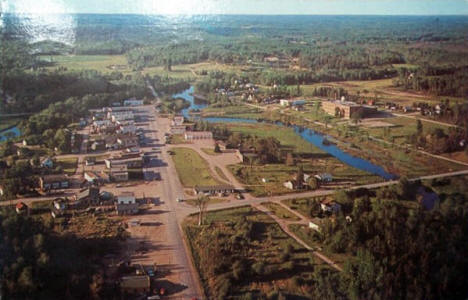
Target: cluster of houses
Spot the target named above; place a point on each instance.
(179, 127)
(293, 184)
(124, 204)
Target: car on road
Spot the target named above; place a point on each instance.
(180, 200)
(239, 196)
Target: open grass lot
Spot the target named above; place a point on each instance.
(192, 168)
(257, 257)
(210, 201)
(178, 139)
(221, 174)
(403, 128)
(277, 174)
(231, 111)
(8, 122)
(287, 137)
(190, 71)
(210, 151)
(101, 63)
(381, 88)
(68, 165)
(280, 211)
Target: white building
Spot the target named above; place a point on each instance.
(198, 135)
(126, 198)
(133, 102)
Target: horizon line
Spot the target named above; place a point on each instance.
(226, 14)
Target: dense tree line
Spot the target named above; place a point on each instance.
(37, 263)
(399, 253)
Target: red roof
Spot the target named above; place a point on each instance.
(21, 205)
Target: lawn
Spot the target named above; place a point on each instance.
(221, 173)
(286, 136)
(8, 122)
(381, 88)
(192, 168)
(210, 201)
(210, 151)
(68, 165)
(277, 174)
(258, 257)
(280, 211)
(101, 63)
(178, 139)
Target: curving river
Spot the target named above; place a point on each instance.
(308, 135)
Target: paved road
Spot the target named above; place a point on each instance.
(174, 250)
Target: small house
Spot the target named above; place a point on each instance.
(119, 173)
(90, 161)
(126, 209)
(126, 198)
(88, 196)
(54, 182)
(324, 177)
(198, 135)
(139, 284)
(330, 206)
(47, 162)
(214, 190)
(21, 208)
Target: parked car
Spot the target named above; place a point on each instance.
(179, 200)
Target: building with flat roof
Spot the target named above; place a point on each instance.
(345, 109)
(198, 135)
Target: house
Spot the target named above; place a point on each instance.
(122, 116)
(214, 190)
(315, 224)
(90, 161)
(427, 198)
(133, 102)
(91, 177)
(127, 129)
(126, 209)
(178, 129)
(54, 182)
(136, 162)
(58, 208)
(126, 198)
(284, 102)
(198, 135)
(138, 284)
(290, 184)
(21, 208)
(47, 162)
(60, 204)
(177, 121)
(88, 196)
(324, 177)
(98, 145)
(127, 141)
(330, 206)
(119, 173)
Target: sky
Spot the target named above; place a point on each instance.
(275, 7)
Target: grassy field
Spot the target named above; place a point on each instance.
(221, 174)
(403, 128)
(286, 136)
(210, 151)
(8, 122)
(101, 63)
(192, 168)
(277, 174)
(68, 165)
(381, 89)
(280, 211)
(264, 259)
(178, 139)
